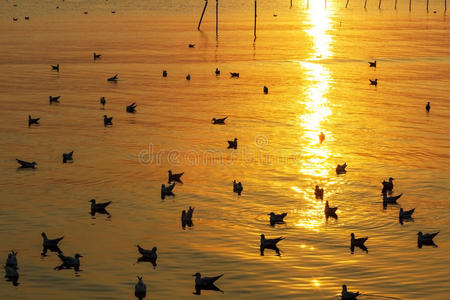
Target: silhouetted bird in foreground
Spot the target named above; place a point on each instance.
(175, 176)
(186, 217)
(151, 254)
(140, 289)
(392, 199)
(406, 214)
(52, 99)
(67, 157)
(164, 73)
(191, 45)
(26, 164)
(237, 187)
(374, 82)
(428, 107)
(98, 206)
(427, 238)
(218, 121)
(114, 78)
(318, 192)
(55, 68)
(188, 77)
(358, 242)
(46, 242)
(167, 190)
(330, 210)
(107, 121)
(388, 186)
(269, 244)
(346, 295)
(131, 108)
(277, 218)
(373, 64)
(234, 74)
(32, 121)
(11, 260)
(69, 262)
(232, 144)
(217, 72)
(97, 56)
(265, 90)
(341, 169)
(103, 101)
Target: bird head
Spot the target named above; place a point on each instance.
(420, 233)
(390, 178)
(352, 235)
(154, 249)
(43, 235)
(92, 200)
(344, 288)
(139, 278)
(271, 214)
(197, 275)
(78, 255)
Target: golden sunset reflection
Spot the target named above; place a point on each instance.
(315, 162)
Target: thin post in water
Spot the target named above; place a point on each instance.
(379, 5)
(217, 17)
(203, 12)
(254, 25)
(409, 5)
(395, 4)
(365, 4)
(346, 4)
(445, 4)
(427, 4)
(291, 3)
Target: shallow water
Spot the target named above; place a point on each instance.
(314, 62)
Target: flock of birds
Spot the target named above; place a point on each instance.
(150, 255)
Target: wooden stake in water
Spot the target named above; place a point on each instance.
(365, 4)
(409, 5)
(379, 5)
(427, 4)
(203, 12)
(254, 25)
(291, 3)
(395, 4)
(217, 17)
(445, 3)
(346, 4)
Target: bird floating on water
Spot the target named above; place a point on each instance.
(46, 242)
(107, 121)
(32, 121)
(237, 187)
(114, 78)
(234, 74)
(217, 72)
(373, 64)
(11, 274)
(26, 164)
(175, 176)
(191, 45)
(318, 192)
(97, 56)
(218, 121)
(341, 169)
(188, 77)
(186, 217)
(164, 73)
(330, 210)
(405, 214)
(232, 144)
(52, 99)
(374, 82)
(140, 289)
(346, 295)
(277, 218)
(103, 101)
(388, 186)
(131, 108)
(205, 281)
(428, 107)
(11, 260)
(150, 254)
(98, 206)
(167, 190)
(358, 242)
(265, 90)
(392, 199)
(69, 262)
(55, 68)
(270, 242)
(27, 18)
(426, 238)
(67, 157)
(15, 19)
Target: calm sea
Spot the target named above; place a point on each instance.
(314, 62)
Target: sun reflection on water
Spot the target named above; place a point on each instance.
(315, 163)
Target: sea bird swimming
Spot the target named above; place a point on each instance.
(218, 121)
(67, 157)
(26, 164)
(232, 144)
(175, 176)
(33, 121)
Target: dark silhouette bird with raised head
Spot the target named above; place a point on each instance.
(69, 262)
(237, 187)
(188, 77)
(11, 260)
(103, 101)
(318, 192)
(346, 295)
(46, 242)
(131, 108)
(186, 217)
(218, 121)
(388, 186)
(67, 157)
(234, 74)
(428, 106)
(390, 199)
(97, 56)
(373, 64)
(114, 78)
(330, 210)
(341, 169)
(95, 207)
(374, 82)
(167, 190)
(150, 254)
(205, 281)
(164, 73)
(217, 72)
(25, 164)
(405, 214)
(33, 121)
(232, 144)
(269, 244)
(107, 121)
(55, 68)
(191, 45)
(357, 242)
(277, 218)
(426, 239)
(265, 90)
(175, 176)
(140, 289)
(52, 99)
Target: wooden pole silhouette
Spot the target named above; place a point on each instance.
(346, 4)
(395, 4)
(291, 3)
(445, 2)
(203, 12)
(365, 4)
(427, 4)
(379, 5)
(254, 25)
(409, 5)
(217, 17)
